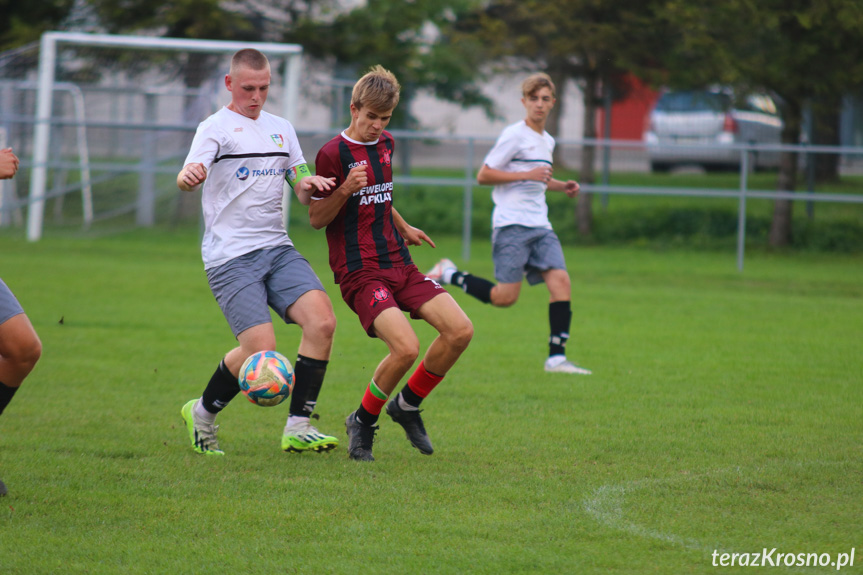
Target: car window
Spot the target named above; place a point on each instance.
(760, 103)
(695, 101)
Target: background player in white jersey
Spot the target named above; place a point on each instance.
(519, 166)
(243, 155)
(20, 347)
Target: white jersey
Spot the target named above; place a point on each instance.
(520, 149)
(246, 162)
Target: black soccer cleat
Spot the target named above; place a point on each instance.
(3, 490)
(413, 426)
(360, 439)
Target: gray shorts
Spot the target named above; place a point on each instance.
(246, 285)
(519, 251)
(9, 306)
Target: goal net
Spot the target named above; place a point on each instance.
(104, 122)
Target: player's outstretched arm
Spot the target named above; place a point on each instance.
(191, 176)
(322, 211)
(307, 186)
(413, 236)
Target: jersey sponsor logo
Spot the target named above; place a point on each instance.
(377, 194)
(376, 198)
(269, 172)
(355, 164)
(278, 139)
(380, 295)
(243, 173)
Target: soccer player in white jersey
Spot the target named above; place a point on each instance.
(242, 155)
(519, 166)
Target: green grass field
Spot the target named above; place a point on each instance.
(724, 414)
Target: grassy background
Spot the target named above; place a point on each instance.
(724, 413)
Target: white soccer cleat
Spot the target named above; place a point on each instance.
(442, 271)
(559, 364)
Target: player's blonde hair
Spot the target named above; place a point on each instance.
(378, 89)
(536, 82)
(249, 58)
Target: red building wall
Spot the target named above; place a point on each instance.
(628, 116)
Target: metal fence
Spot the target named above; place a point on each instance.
(148, 168)
(632, 156)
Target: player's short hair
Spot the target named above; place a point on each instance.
(536, 82)
(378, 89)
(249, 58)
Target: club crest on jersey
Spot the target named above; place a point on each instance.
(380, 295)
(388, 157)
(278, 139)
(243, 173)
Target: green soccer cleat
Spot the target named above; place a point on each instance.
(303, 436)
(202, 435)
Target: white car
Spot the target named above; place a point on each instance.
(698, 128)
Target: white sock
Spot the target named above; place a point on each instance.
(446, 276)
(202, 414)
(295, 419)
(404, 404)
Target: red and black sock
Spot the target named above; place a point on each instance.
(372, 404)
(419, 385)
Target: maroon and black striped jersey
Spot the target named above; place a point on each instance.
(362, 236)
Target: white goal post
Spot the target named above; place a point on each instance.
(51, 42)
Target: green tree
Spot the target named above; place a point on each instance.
(412, 39)
(804, 52)
(25, 22)
(592, 42)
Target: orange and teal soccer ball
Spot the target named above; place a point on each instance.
(267, 378)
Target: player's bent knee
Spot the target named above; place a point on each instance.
(25, 355)
(326, 327)
(33, 353)
(406, 352)
(505, 300)
(460, 335)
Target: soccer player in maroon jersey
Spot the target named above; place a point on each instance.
(368, 242)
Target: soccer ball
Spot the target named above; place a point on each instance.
(267, 378)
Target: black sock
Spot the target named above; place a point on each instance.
(221, 389)
(559, 318)
(308, 380)
(366, 418)
(410, 397)
(472, 285)
(6, 394)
